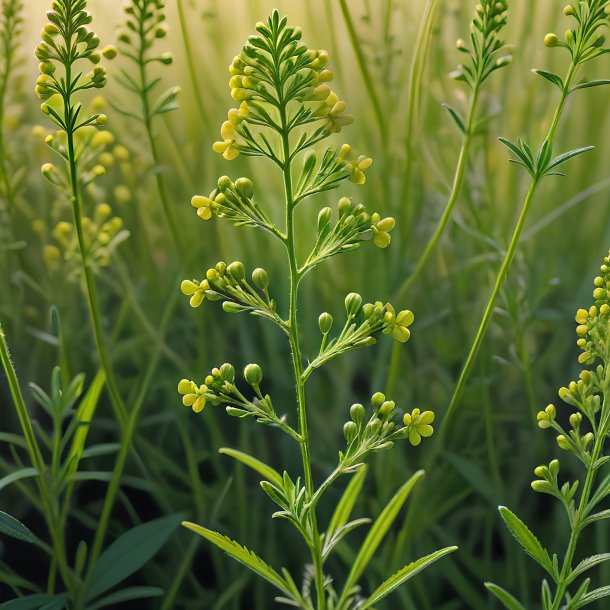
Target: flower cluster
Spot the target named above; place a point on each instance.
(585, 395)
(276, 54)
(583, 42)
(55, 47)
(380, 431)
(102, 234)
(488, 52)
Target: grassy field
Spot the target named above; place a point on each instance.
(391, 61)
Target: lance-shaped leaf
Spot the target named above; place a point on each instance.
(530, 544)
(591, 83)
(377, 532)
(557, 161)
(593, 596)
(245, 557)
(14, 528)
(587, 564)
(346, 504)
(456, 117)
(400, 577)
(504, 596)
(263, 469)
(550, 76)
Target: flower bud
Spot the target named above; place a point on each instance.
(563, 443)
(227, 372)
(325, 322)
(244, 187)
(353, 301)
(386, 408)
(377, 399)
(554, 467)
(551, 40)
(349, 431)
(260, 278)
(357, 413)
(324, 218)
(237, 271)
(253, 375)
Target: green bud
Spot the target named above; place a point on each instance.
(244, 187)
(575, 420)
(563, 443)
(237, 271)
(377, 399)
(542, 486)
(554, 467)
(357, 413)
(325, 322)
(253, 375)
(349, 431)
(386, 408)
(228, 372)
(260, 278)
(231, 307)
(344, 206)
(541, 471)
(551, 40)
(353, 301)
(324, 218)
(224, 182)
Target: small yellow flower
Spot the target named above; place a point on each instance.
(227, 146)
(195, 290)
(203, 205)
(192, 395)
(381, 230)
(418, 425)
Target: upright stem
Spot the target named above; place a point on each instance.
(506, 263)
(297, 362)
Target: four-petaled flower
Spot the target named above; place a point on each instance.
(196, 290)
(397, 324)
(381, 230)
(203, 205)
(192, 395)
(418, 424)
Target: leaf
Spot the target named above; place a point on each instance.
(587, 564)
(524, 159)
(567, 156)
(377, 532)
(243, 555)
(126, 595)
(129, 553)
(346, 503)
(530, 544)
(504, 596)
(18, 475)
(14, 528)
(604, 514)
(404, 574)
(550, 76)
(593, 596)
(331, 541)
(32, 602)
(265, 471)
(456, 117)
(591, 83)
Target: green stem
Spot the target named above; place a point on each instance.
(362, 64)
(506, 264)
(297, 361)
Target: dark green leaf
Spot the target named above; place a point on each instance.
(14, 528)
(18, 475)
(568, 155)
(523, 158)
(591, 83)
(129, 553)
(550, 76)
(456, 117)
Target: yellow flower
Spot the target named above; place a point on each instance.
(227, 146)
(397, 325)
(381, 230)
(418, 425)
(192, 395)
(195, 290)
(203, 205)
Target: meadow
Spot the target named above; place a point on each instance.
(101, 458)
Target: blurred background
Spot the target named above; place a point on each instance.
(492, 445)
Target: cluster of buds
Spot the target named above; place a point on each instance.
(355, 166)
(583, 42)
(145, 23)
(380, 431)
(229, 283)
(547, 482)
(233, 201)
(102, 234)
(488, 52)
(229, 145)
(354, 225)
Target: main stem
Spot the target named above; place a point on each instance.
(506, 263)
(297, 361)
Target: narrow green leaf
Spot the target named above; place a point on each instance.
(591, 83)
(530, 544)
(84, 415)
(346, 503)
(125, 595)
(456, 117)
(18, 475)
(568, 155)
(243, 555)
(504, 596)
(377, 532)
(31, 602)
(331, 541)
(587, 564)
(523, 158)
(593, 596)
(550, 76)
(396, 580)
(263, 469)
(129, 553)
(14, 528)
(604, 514)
